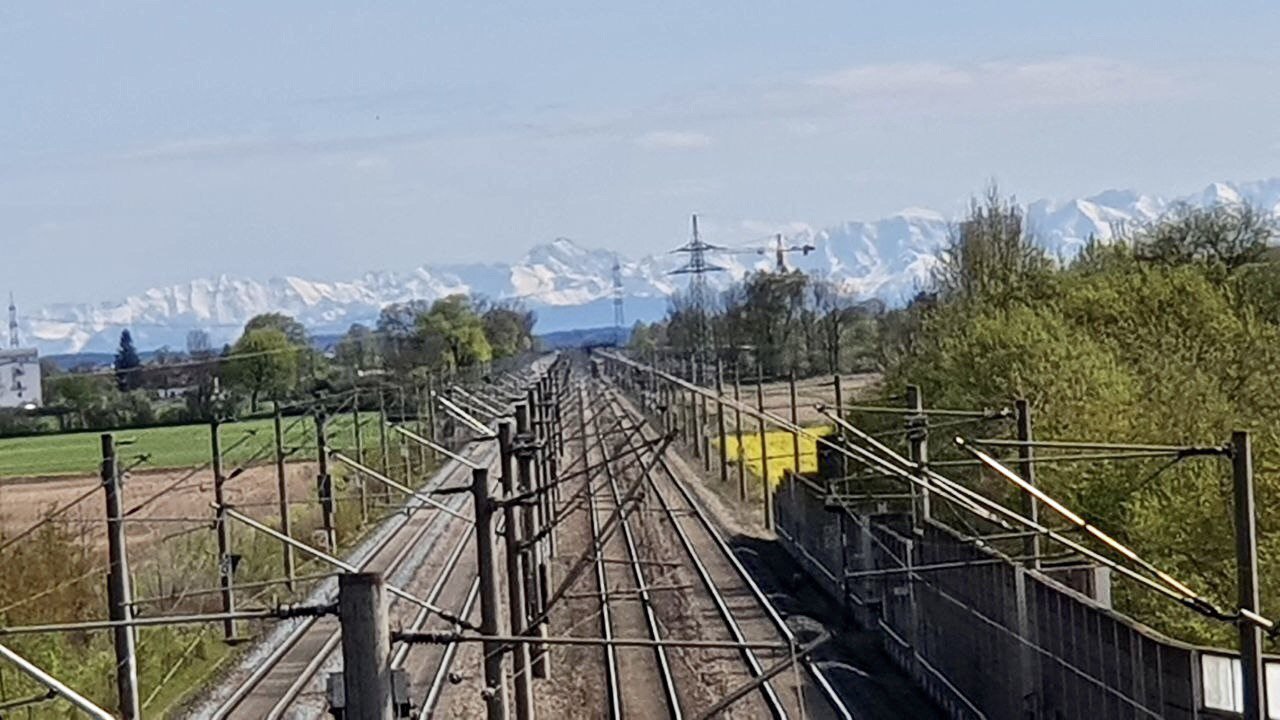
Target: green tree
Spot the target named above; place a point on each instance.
(397, 332)
(989, 255)
(644, 338)
(127, 364)
(772, 306)
(452, 334)
(1173, 339)
(358, 349)
(263, 362)
(292, 329)
(79, 393)
(1224, 237)
(834, 314)
(509, 329)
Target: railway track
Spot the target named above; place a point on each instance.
(662, 573)
(273, 688)
(745, 612)
(627, 608)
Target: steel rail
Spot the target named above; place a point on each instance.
(250, 683)
(326, 557)
(949, 490)
(480, 428)
(606, 618)
(433, 595)
(778, 622)
(974, 502)
(642, 587)
(446, 659)
(331, 645)
(450, 650)
(776, 708)
(424, 613)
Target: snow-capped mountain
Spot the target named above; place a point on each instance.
(571, 286)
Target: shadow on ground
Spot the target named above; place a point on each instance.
(868, 681)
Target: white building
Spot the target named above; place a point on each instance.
(19, 378)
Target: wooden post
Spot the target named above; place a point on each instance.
(324, 484)
(737, 431)
(119, 587)
(426, 405)
(515, 576)
(406, 452)
(226, 561)
(840, 431)
(795, 421)
(382, 432)
(384, 448)
(282, 494)
(918, 447)
(359, 449)
(764, 453)
(685, 406)
(529, 529)
(720, 424)
(495, 686)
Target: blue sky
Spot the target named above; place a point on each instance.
(144, 143)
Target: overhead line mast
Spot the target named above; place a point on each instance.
(619, 317)
(13, 323)
(697, 268)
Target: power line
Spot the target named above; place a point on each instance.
(180, 365)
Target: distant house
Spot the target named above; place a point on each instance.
(20, 378)
(173, 392)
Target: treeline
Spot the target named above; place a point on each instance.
(275, 359)
(1170, 336)
(772, 322)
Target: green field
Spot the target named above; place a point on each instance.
(169, 447)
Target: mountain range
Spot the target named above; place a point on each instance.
(571, 286)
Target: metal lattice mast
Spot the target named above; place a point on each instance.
(619, 317)
(699, 297)
(14, 340)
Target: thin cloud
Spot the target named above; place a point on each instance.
(673, 140)
(893, 78)
(1043, 82)
(248, 146)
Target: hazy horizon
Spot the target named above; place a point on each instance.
(150, 144)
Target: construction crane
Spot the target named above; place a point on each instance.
(779, 250)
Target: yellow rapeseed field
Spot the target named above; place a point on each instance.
(781, 451)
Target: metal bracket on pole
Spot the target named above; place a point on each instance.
(396, 486)
(484, 403)
(435, 446)
(345, 566)
(35, 673)
(480, 428)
